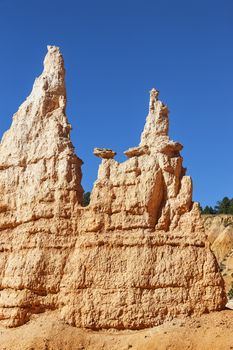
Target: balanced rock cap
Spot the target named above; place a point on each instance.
(105, 153)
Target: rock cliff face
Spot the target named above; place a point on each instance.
(219, 230)
(135, 257)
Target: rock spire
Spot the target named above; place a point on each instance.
(40, 188)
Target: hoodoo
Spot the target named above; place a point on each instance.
(134, 258)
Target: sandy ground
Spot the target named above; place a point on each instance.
(209, 332)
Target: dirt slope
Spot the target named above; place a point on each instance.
(208, 332)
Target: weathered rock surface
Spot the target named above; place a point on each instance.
(137, 151)
(135, 257)
(219, 230)
(105, 153)
(39, 189)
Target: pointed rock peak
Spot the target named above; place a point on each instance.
(49, 91)
(54, 62)
(153, 98)
(54, 71)
(40, 126)
(157, 122)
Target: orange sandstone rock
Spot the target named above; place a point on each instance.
(40, 188)
(219, 230)
(135, 257)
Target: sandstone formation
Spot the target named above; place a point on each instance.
(219, 230)
(135, 257)
(137, 151)
(105, 153)
(40, 187)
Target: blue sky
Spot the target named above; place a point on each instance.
(115, 52)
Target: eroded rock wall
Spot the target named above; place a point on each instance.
(135, 257)
(219, 230)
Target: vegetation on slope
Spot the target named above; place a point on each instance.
(224, 206)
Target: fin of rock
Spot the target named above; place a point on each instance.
(134, 258)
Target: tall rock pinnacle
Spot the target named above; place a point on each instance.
(134, 258)
(49, 91)
(157, 120)
(40, 187)
(37, 150)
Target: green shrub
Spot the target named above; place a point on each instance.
(230, 293)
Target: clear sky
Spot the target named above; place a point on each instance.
(115, 52)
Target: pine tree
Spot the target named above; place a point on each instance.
(208, 210)
(223, 206)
